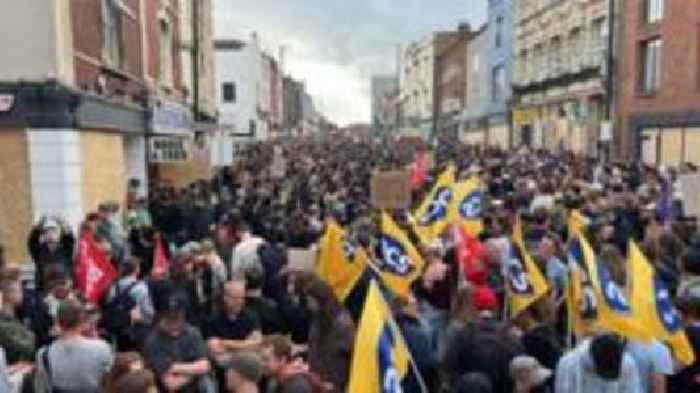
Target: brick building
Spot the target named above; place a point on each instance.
(79, 97)
(659, 75)
(450, 77)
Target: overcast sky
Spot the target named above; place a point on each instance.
(336, 45)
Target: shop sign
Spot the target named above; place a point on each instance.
(163, 150)
(172, 118)
(7, 102)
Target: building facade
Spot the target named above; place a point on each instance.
(293, 92)
(659, 76)
(450, 79)
(380, 87)
(474, 127)
(500, 77)
(75, 111)
(416, 86)
(197, 58)
(561, 52)
(239, 76)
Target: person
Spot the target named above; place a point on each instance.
(234, 328)
(285, 375)
(598, 365)
(130, 329)
(73, 363)
(243, 373)
(111, 229)
(124, 363)
(654, 363)
(331, 336)
(263, 307)
(138, 381)
(687, 379)
(556, 271)
(51, 242)
(176, 352)
(472, 383)
(245, 252)
(529, 375)
(17, 341)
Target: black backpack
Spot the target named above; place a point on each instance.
(116, 313)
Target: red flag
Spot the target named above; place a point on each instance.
(94, 273)
(419, 172)
(161, 265)
(468, 254)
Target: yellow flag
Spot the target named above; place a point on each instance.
(580, 296)
(526, 284)
(653, 303)
(432, 214)
(341, 263)
(380, 357)
(401, 263)
(577, 223)
(468, 206)
(613, 310)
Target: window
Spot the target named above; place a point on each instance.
(252, 127)
(112, 41)
(166, 53)
(499, 31)
(651, 65)
(653, 11)
(498, 83)
(229, 92)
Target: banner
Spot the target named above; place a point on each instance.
(94, 273)
(468, 206)
(653, 303)
(380, 357)
(432, 215)
(341, 262)
(526, 284)
(401, 264)
(390, 190)
(161, 265)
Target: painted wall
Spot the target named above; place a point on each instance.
(15, 198)
(242, 68)
(103, 169)
(36, 41)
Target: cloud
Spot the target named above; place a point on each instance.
(336, 45)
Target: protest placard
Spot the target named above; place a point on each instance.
(391, 190)
(301, 259)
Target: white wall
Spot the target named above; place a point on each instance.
(36, 41)
(242, 68)
(55, 162)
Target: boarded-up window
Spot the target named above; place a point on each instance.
(671, 146)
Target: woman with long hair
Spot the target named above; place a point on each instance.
(331, 336)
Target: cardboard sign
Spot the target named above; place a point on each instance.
(690, 186)
(301, 259)
(391, 190)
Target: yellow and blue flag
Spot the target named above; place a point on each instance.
(467, 207)
(614, 311)
(581, 300)
(401, 263)
(432, 214)
(341, 261)
(380, 357)
(526, 284)
(577, 223)
(653, 303)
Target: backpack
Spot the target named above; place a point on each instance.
(116, 315)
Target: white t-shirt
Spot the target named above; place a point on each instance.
(245, 254)
(651, 358)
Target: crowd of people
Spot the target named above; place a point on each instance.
(229, 314)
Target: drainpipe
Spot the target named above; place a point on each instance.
(610, 82)
(195, 58)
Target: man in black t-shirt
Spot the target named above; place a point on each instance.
(234, 328)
